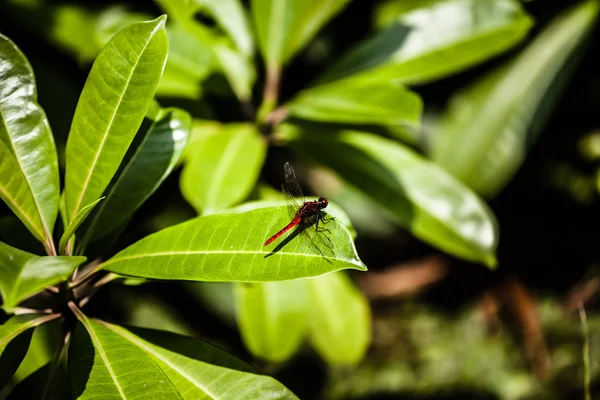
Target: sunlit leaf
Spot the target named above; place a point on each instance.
(72, 227)
(232, 17)
(229, 248)
(111, 108)
(484, 136)
(284, 27)
(444, 37)
(150, 164)
(24, 274)
(339, 319)
(237, 68)
(222, 168)
(382, 103)
(272, 317)
(29, 182)
(414, 192)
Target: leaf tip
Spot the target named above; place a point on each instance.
(491, 261)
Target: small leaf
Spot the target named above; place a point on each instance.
(197, 369)
(339, 319)
(15, 336)
(284, 27)
(231, 15)
(79, 218)
(381, 103)
(229, 248)
(153, 161)
(111, 108)
(484, 136)
(102, 363)
(445, 37)
(416, 193)
(29, 182)
(272, 317)
(24, 274)
(222, 168)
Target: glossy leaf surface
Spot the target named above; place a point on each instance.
(24, 274)
(272, 317)
(444, 37)
(229, 247)
(111, 108)
(414, 192)
(339, 319)
(284, 27)
(484, 136)
(72, 227)
(29, 182)
(222, 168)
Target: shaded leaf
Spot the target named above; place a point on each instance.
(272, 317)
(41, 349)
(47, 383)
(445, 37)
(484, 136)
(222, 168)
(111, 108)
(414, 192)
(284, 27)
(24, 274)
(29, 182)
(382, 103)
(200, 370)
(15, 234)
(72, 227)
(237, 68)
(229, 248)
(153, 161)
(339, 319)
(15, 336)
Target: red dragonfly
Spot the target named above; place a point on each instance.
(304, 213)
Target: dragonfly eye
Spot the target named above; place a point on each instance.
(323, 202)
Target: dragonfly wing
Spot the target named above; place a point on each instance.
(291, 182)
(292, 204)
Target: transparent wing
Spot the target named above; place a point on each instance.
(291, 182)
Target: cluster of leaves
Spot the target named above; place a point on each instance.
(359, 118)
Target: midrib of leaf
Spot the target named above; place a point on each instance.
(275, 36)
(112, 119)
(227, 157)
(44, 235)
(98, 345)
(28, 325)
(142, 345)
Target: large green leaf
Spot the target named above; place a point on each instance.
(232, 17)
(24, 274)
(284, 27)
(229, 248)
(416, 193)
(222, 167)
(153, 161)
(29, 182)
(196, 370)
(445, 37)
(272, 317)
(484, 136)
(15, 336)
(111, 108)
(339, 319)
(381, 103)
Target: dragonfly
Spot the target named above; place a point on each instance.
(303, 214)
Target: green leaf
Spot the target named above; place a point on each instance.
(284, 27)
(237, 68)
(229, 248)
(445, 37)
(73, 29)
(416, 193)
(272, 317)
(222, 168)
(15, 234)
(50, 382)
(102, 363)
(196, 369)
(339, 319)
(484, 135)
(79, 218)
(111, 108)
(24, 274)
(232, 17)
(15, 336)
(381, 103)
(41, 348)
(152, 162)
(29, 182)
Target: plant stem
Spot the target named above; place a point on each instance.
(271, 93)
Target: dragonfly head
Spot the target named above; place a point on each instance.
(323, 202)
